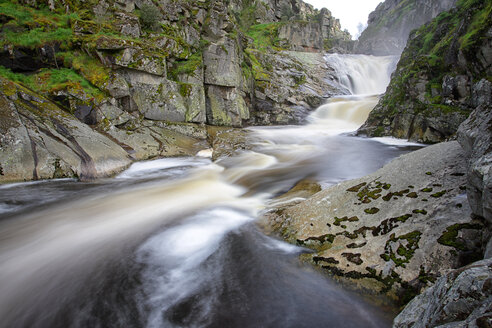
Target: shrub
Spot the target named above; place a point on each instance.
(149, 16)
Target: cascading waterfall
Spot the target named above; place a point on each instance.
(362, 74)
(365, 77)
(174, 245)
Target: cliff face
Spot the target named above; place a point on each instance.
(391, 23)
(444, 73)
(129, 68)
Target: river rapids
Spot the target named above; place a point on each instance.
(173, 242)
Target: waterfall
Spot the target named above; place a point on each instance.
(364, 77)
(362, 74)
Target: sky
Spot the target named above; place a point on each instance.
(350, 12)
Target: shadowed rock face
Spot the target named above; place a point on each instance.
(475, 136)
(391, 23)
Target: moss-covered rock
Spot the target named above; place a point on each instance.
(392, 246)
(435, 85)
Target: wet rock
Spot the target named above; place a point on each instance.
(227, 142)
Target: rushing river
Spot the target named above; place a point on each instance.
(173, 242)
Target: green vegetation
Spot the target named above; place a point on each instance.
(149, 16)
(186, 67)
(49, 81)
(31, 28)
(265, 36)
(431, 55)
(372, 210)
(450, 236)
(404, 251)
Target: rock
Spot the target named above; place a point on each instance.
(289, 84)
(225, 106)
(128, 24)
(139, 60)
(40, 141)
(462, 298)
(302, 36)
(221, 62)
(432, 91)
(391, 23)
(114, 114)
(117, 86)
(475, 137)
(482, 93)
(227, 142)
(391, 232)
(154, 141)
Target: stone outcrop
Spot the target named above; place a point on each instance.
(162, 68)
(39, 141)
(475, 136)
(389, 26)
(462, 298)
(443, 74)
(392, 232)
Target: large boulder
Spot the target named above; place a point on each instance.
(392, 232)
(39, 141)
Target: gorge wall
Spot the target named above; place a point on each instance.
(391, 23)
(444, 73)
(149, 74)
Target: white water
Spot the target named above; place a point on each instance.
(361, 74)
(189, 272)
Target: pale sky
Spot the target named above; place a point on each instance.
(350, 12)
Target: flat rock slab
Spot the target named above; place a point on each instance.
(392, 231)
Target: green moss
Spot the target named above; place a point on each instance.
(417, 211)
(338, 221)
(356, 188)
(265, 36)
(190, 66)
(405, 249)
(372, 210)
(412, 194)
(426, 189)
(49, 81)
(450, 236)
(438, 194)
(185, 89)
